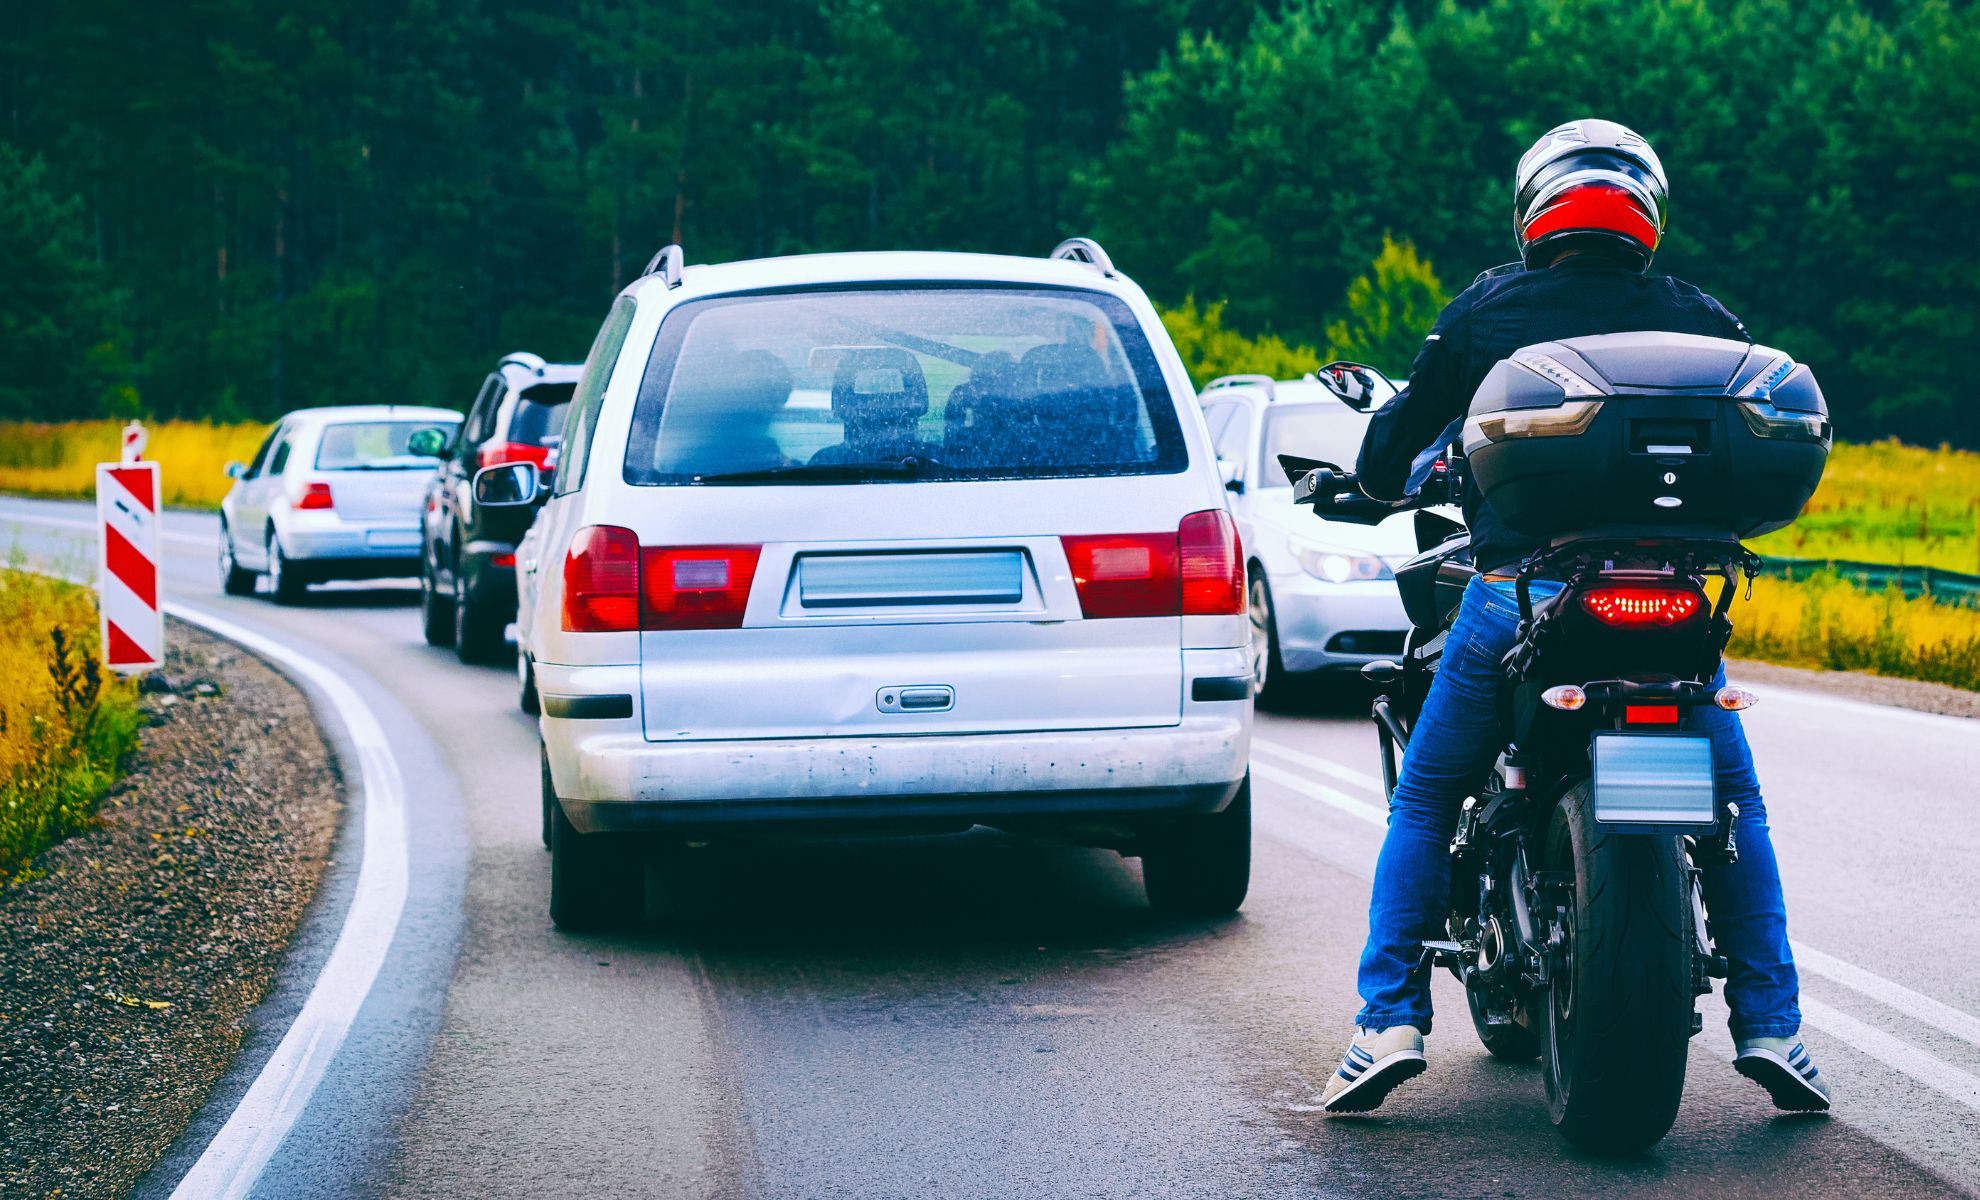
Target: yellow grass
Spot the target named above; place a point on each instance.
(60, 459)
(64, 721)
(1827, 623)
(1885, 502)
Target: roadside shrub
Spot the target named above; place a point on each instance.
(65, 721)
(59, 459)
(1827, 622)
(1210, 349)
(1886, 502)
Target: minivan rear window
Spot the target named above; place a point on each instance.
(908, 384)
(540, 412)
(376, 445)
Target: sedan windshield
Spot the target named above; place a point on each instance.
(887, 386)
(1329, 432)
(375, 445)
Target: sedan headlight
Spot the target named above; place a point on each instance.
(1336, 565)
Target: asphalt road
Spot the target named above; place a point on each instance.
(975, 1016)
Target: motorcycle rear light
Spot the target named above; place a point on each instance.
(601, 581)
(1650, 714)
(316, 497)
(1636, 606)
(1196, 571)
(1734, 698)
(1212, 565)
(496, 453)
(1566, 697)
(696, 587)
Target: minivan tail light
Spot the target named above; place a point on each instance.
(1125, 574)
(696, 587)
(494, 454)
(1639, 606)
(316, 497)
(601, 581)
(1212, 565)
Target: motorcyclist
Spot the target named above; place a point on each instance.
(1588, 212)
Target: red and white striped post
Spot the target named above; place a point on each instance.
(127, 498)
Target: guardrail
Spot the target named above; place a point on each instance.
(1952, 587)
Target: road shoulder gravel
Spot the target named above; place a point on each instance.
(1918, 695)
(128, 969)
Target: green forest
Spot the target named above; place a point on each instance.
(229, 208)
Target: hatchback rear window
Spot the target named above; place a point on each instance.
(540, 412)
(375, 446)
(900, 385)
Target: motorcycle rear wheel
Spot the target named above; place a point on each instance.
(1617, 1024)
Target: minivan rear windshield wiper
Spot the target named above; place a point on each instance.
(911, 468)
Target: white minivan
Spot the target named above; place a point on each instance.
(892, 542)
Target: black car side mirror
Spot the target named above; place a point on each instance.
(507, 484)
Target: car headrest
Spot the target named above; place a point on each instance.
(879, 379)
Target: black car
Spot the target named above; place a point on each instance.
(468, 564)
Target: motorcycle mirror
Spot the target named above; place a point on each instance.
(1357, 385)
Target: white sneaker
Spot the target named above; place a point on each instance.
(1375, 1064)
(1782, 1066)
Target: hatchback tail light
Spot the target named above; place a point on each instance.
(494, 454)
(316, 497)
(696, 587)
(1212, 565)
(601, 581)
(1196, 571)
(1638, 606)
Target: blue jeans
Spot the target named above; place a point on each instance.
(1452, 748)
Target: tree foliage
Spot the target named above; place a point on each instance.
(1209, 348)
(1389, 311)
(324, 200)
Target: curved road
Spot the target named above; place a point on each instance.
(975, 1016)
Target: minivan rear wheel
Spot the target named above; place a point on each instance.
(595, 880)
(1201, 866)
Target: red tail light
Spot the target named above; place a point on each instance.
(601, 581)
(1196, 571)
(696, 587)
(497, 453)
(1125, 574)
(316, 497)
(1640, 605)
(1212, 565)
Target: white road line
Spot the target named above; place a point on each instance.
(1938, 1015)
(1946, 1080)
(1361, 810)
(189, 539)
(234, 1159)
(1940, 722)
(1314, 762)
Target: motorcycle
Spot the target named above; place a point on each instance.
(1577, 921)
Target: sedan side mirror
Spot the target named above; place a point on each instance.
(427, 443)
(235, 470)
(505, 485)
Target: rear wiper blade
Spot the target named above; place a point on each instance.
(824, 473)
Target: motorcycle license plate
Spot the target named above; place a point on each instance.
(1654, 782)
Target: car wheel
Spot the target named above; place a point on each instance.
(436, 619)
(235, 580)
(477, 633)
(595, 880)
(286, 582)
(527, 700)
(1268, 669)
(1201, 866)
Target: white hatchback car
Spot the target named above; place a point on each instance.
(886, 542)
(333, 493)
(1322, 596)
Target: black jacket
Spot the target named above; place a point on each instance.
(1500, 312)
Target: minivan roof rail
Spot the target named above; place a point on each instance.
(667, 264)
(1085, 250)
(1262, 381)
(533, 363)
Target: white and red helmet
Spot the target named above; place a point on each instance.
(1589, 185)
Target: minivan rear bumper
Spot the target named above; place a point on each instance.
(617, 781)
